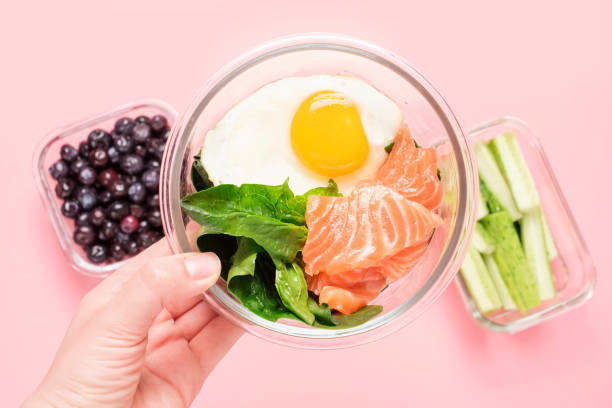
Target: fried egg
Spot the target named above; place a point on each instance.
(308, 129)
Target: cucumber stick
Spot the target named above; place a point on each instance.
(498, 282)
(481, 209)
(511, 262)
(494, 180)
(482, 241)
(534, 244)
(512, 164)
(551, 248)
(479, 282)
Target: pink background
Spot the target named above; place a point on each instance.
(548, 64)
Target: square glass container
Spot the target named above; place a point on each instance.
(48, 152)
(573, 270)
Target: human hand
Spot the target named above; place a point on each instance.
(143, 337)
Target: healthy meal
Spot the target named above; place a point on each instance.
(109, 186)
(508, 265)
(316, 197)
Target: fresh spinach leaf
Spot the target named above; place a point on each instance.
(199, 176)
(244, 212)
(243, 261)
(255, 289)
(389, 147)
(223, 245)
(322, 312)
(292, 289)
(358, 318)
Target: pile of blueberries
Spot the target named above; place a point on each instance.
(109, 186)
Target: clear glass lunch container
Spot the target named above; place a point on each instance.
(432, 123)
(573, 269)
(48, 152)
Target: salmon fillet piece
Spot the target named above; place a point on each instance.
(412, 171)
(360, 230)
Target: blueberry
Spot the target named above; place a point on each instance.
(124, 144)
(116, 251)
(84, 235)
(150, 178)
(141, 132)
(154, 217)
(108, 230)
(105, 197)
(155, 147)
(153, 164)
(146, 238)
(158, 123)
(143, 225)
(122, 238)
(129, 224)
(131, 247)
(129, 178)
(124, 125)
(164, 136)
(64, 187)
(140, 150)
(118, 210)
(99, 138)
(137, 192)
(69, 153)
(70, 208)
(97, 216)
(107, 176)
(78, 165)
(143, 119)
(59, 169)
(137, 211)
(153, 200)
(97, 253)
(131, 163)
(87, 176)
(98, 157)
(118, 188)
(84, 149)
(82, 219)
(113, 154)
(88, 200)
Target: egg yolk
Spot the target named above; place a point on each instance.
(327, 134)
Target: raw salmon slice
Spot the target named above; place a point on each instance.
(367, 282)
(401, 263)
(412, 171)
(360, 230)
(343, 300)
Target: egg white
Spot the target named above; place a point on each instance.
(252, 142)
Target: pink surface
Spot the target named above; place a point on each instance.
(548, 64)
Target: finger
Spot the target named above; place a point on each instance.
(160, 283)
(214, 341)
(183, 306)
(102, 293)
(193, 321)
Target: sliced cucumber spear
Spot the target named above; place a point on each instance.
(494, 180)
(482, 241)
(511, 262)
(481, 209)
(512, 164)
(498, 282)
(551, 248)
(479, 282)
(534, 244)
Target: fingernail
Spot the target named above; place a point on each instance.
(202, 266)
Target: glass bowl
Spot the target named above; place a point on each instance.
(48, 152)
(573, 270)
(431, 122)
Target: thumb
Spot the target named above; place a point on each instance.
(160, 283)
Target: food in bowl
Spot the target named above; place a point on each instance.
(109, 184)
(316, 197)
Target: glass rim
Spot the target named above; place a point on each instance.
(452, 254)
